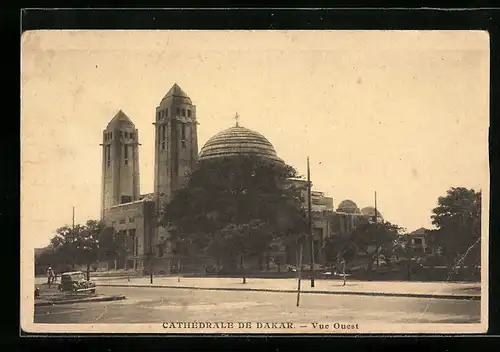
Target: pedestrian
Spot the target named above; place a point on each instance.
(52, 275)
(49, 276)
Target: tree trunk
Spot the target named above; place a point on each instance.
(243, 270)
(343, 272)
(88, 271)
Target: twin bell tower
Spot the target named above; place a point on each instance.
(176, 152)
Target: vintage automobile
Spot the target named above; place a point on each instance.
(76, 281)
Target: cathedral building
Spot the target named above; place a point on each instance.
(133, 214)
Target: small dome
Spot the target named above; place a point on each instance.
(348, 206)
(370, 211)
(236, 141)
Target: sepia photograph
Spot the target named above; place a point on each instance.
(258, 182)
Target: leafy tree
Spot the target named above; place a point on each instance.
(341, 250)
(232, 191)
(372, 239)
(245, 240)
(65, 245)
(405, 253)
(83, 245)
(376, 238)
(458, 221)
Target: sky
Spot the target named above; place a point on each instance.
(402, 113)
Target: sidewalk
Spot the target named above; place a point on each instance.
(470, 291)
(51, 296)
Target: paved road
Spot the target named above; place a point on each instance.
(153, 305)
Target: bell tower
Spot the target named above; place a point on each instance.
(120, 162)
(176, 143)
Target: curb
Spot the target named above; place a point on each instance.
(84, 300)
(351, 293)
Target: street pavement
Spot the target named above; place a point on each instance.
(436, 289)
(154, 305)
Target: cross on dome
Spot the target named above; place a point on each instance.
(237, 118)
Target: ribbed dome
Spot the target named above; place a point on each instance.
(238, 141)
(348, 206)
(370, 211)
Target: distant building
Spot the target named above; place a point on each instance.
(419, 240)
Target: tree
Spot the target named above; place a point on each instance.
(341, 250)
(458, 225)
(245, 240)
(232, 191)
(372, 239)
(65, 245)
(84, 245)
(88, 243)
(375, 239)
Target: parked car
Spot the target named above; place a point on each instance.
(76, 281)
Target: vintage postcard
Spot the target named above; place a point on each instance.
(254, 181)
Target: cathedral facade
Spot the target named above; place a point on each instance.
(133, 214)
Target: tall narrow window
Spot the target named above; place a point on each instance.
(110, 135)
(132, 135)
(183, 135)
(162, 137)
(158, 116)
(189, 113)
(166, 112)
(136, 249)
(178, 112)
(108, 154)
(125, 154)
(183, 112)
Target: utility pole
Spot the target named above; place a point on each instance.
(73, 236)
(310, 220)
(376, 214)
(299, 275)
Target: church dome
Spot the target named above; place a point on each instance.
(370, 211)
(348, 206)
(236, 141)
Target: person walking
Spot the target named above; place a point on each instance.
(53, 275)
(49, 277)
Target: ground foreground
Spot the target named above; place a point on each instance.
(154, 305)
(388, 288)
